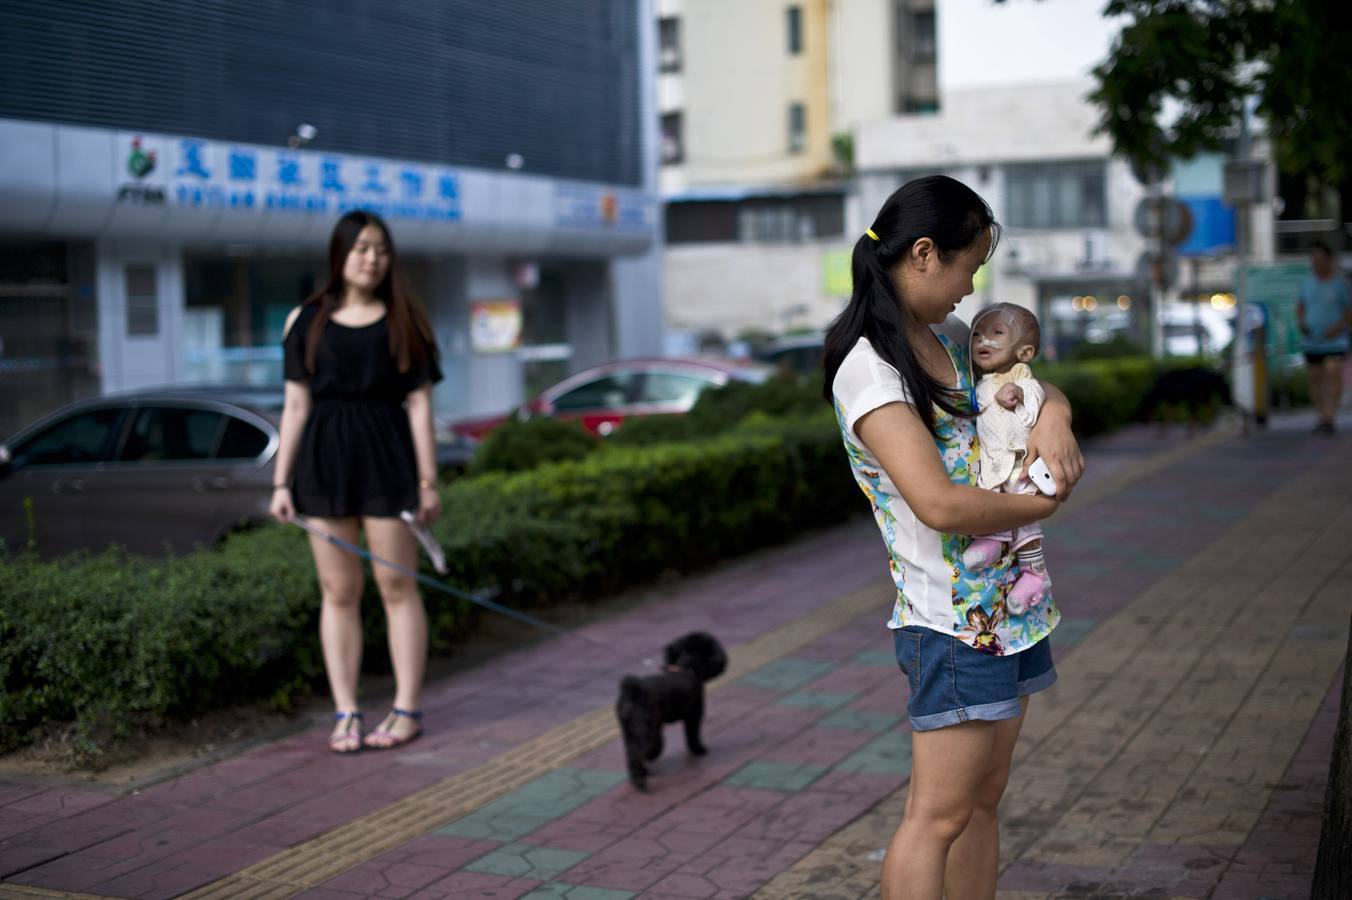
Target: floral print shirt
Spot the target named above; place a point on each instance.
(934, 588)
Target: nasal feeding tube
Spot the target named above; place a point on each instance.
(996, 327)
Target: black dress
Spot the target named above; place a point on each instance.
(356, 454)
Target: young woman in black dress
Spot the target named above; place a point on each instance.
(356, 449)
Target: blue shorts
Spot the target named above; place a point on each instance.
(952, 683)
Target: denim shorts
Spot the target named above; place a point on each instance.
(951, 682)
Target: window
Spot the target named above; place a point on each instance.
(794, 21)
(673, 145)
(1056, 195)
(241, 440)
(669, 45)
(606, 392)
(171, 433)
(143, 303)
(83, 438)
(797, 128)
(922, 34)
(762, 219)
(795, 219)
(670, 388)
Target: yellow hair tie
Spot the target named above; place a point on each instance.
(869, 232)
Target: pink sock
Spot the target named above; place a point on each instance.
(1027, 592)
(982, 552)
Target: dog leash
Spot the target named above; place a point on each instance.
(440, 585)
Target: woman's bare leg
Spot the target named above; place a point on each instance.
(391, 539)
(974, 858)
(949, 767)
(340, 585)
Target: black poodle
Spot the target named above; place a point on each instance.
(674, 695)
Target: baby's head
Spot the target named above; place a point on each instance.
(1002, 335)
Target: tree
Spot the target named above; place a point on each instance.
(1209, 56)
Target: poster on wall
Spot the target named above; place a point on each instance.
(495, 325)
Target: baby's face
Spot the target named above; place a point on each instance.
(994, 346)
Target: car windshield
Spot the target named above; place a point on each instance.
(674, 388)
(606, 392)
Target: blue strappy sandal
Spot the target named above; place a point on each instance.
(351, 732)
(387, 739)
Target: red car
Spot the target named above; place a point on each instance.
(603, 396)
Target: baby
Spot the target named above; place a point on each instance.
(1005, 338)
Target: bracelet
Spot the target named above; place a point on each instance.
(281, 487)
(425, 484)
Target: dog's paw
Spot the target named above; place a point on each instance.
(640, 784)
(699, 750)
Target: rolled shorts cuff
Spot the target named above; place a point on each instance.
(1037, 683)
(986, 712)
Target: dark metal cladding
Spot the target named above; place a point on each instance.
(459, 82)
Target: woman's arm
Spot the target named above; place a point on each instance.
(900, 441)
(1053, 441)
(295, 413)
(419, 406)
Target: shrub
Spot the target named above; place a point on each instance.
(1289, 387)
(113, 643)
(1103, 394)
(623, 516)
(517, 446)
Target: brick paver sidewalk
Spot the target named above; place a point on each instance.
(1182, 754)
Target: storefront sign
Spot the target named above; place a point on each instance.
(189, 172)
(494, 325)
(592, 208)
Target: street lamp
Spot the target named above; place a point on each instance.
(304, 134)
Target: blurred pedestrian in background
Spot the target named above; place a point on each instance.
(357, 448)
(1324, 314)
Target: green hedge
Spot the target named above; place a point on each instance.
(1104, 394)
(109, 643)
(104, 644)
(518, 446)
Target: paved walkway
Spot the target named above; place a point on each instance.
(1182, 754)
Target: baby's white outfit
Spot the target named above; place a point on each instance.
(1003, 437)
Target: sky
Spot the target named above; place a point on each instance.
(983, 43)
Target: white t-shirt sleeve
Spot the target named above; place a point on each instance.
(865, 382)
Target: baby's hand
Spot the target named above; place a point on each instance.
(1009, 396)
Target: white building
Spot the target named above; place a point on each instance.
(758, 101)
(1065, 204)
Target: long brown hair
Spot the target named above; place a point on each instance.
(411, 339)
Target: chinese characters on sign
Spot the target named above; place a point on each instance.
(214, 175)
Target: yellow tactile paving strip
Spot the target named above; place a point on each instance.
(1174, 718)
(334, 852)
(24, 892)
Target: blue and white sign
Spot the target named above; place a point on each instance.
(81, 182)
(213, 175)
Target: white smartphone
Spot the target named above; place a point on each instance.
(1041, 477)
